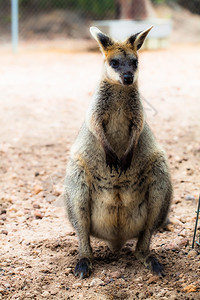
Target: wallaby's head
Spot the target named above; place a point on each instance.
(121, 58)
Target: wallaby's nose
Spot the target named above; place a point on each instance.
(128, 79)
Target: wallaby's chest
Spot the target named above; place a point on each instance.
(117, 129)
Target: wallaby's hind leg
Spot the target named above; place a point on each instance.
(159, 198)
(142, 253)
(77, 200)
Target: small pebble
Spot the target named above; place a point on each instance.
(153, 279)
(183, 233)
(7, 285)
(45, 294)
(198, 264)
(56, 193)
(4, 231)
(37, 189)
(190, 171)
(192, 253)
(72, 233)
(35, 205)
(139, 279)
(161, 294)
(67, 271)
(183, 219)
(3, 211)
(77, 285)
(183, 243)
(29, 295)
(50, 198)
(108, 280)
(171, 246)
(190, 288)
(189, 197)
(116, 274)
(13, 208)
(178, 159)
(38, 214)
(54, 291)
(177, 201)
(175, 221)
(15, 296)
(19, 269)
(96, 282)
(169, 227)
(26, 211)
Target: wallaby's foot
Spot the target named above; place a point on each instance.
(83, 268)
(154, 265)
(151, 263)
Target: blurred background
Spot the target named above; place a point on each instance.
(68, 20)
(45, 88)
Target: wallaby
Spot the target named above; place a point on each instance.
(117, 184)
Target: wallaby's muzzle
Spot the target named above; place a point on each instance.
(127, 78)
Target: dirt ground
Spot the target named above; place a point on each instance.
(43, 99)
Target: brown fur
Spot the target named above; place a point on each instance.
(117, 185)
(117, 49)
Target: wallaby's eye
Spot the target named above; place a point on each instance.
(114, 63)
(134, 62)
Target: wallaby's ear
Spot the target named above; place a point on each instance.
(138, 39)
(103, 40)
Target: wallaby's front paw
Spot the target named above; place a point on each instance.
(125, 162)
(155, 266)
(112, 160)
(83, 268)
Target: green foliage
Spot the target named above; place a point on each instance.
(95, 8)
(24, 2)
(158, 1)
(163, 1)
(192, 5)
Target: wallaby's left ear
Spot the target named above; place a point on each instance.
(138, 39)
(103, 40)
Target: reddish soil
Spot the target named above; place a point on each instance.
(43, 98)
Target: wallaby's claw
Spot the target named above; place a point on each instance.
(120, 173)
(123, 170)
(155, 266)
(82, 275)
(125, 164)
(112, 161)
(82, 268)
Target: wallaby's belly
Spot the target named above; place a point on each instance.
(117, 214)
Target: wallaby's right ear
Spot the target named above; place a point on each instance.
(103, 40)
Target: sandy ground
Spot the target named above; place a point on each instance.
(43, 99)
